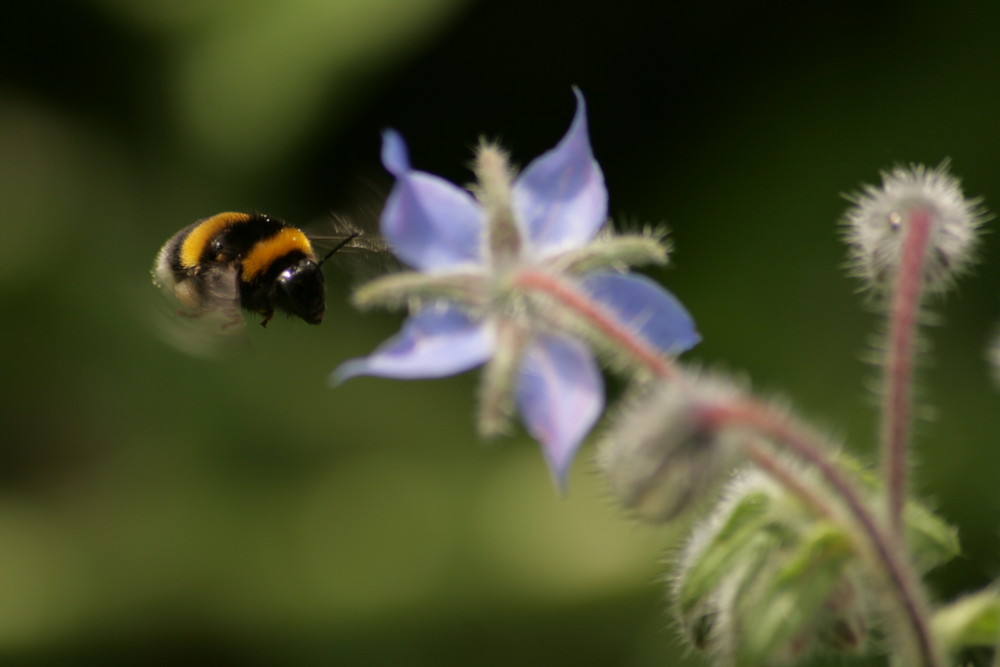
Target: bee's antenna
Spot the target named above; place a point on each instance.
(338, 247)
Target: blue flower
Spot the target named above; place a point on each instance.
(518, 275)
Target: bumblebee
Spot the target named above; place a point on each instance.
(230, 261)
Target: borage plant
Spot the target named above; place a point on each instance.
(800, 550)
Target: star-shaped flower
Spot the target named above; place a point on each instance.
(518, 275)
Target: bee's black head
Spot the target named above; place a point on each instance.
(299, 291)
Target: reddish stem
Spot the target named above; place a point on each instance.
(898, 370)
(584, 306)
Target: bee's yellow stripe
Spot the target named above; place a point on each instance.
(265, 252)
(199, 237)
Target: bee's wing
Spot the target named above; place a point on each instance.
(365, 255)
(201, 315)
(221, 285)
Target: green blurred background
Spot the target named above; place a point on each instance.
(159, 508)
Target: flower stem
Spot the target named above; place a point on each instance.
(884, 549)
(898, 369)
(580, 303)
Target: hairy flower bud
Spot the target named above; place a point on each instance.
(912, 201)
(661, 456)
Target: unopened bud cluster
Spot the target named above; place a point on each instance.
(762, 581)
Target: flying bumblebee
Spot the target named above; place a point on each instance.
(230, 261)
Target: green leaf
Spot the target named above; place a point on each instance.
(973, 620)
(787, 600)
(932, 540)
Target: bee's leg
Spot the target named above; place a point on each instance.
(267, 318)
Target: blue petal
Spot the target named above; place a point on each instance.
(429, 223)
(561, 196)
(395, 157)
(644, 306)
(560, 394)
(435, 342)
